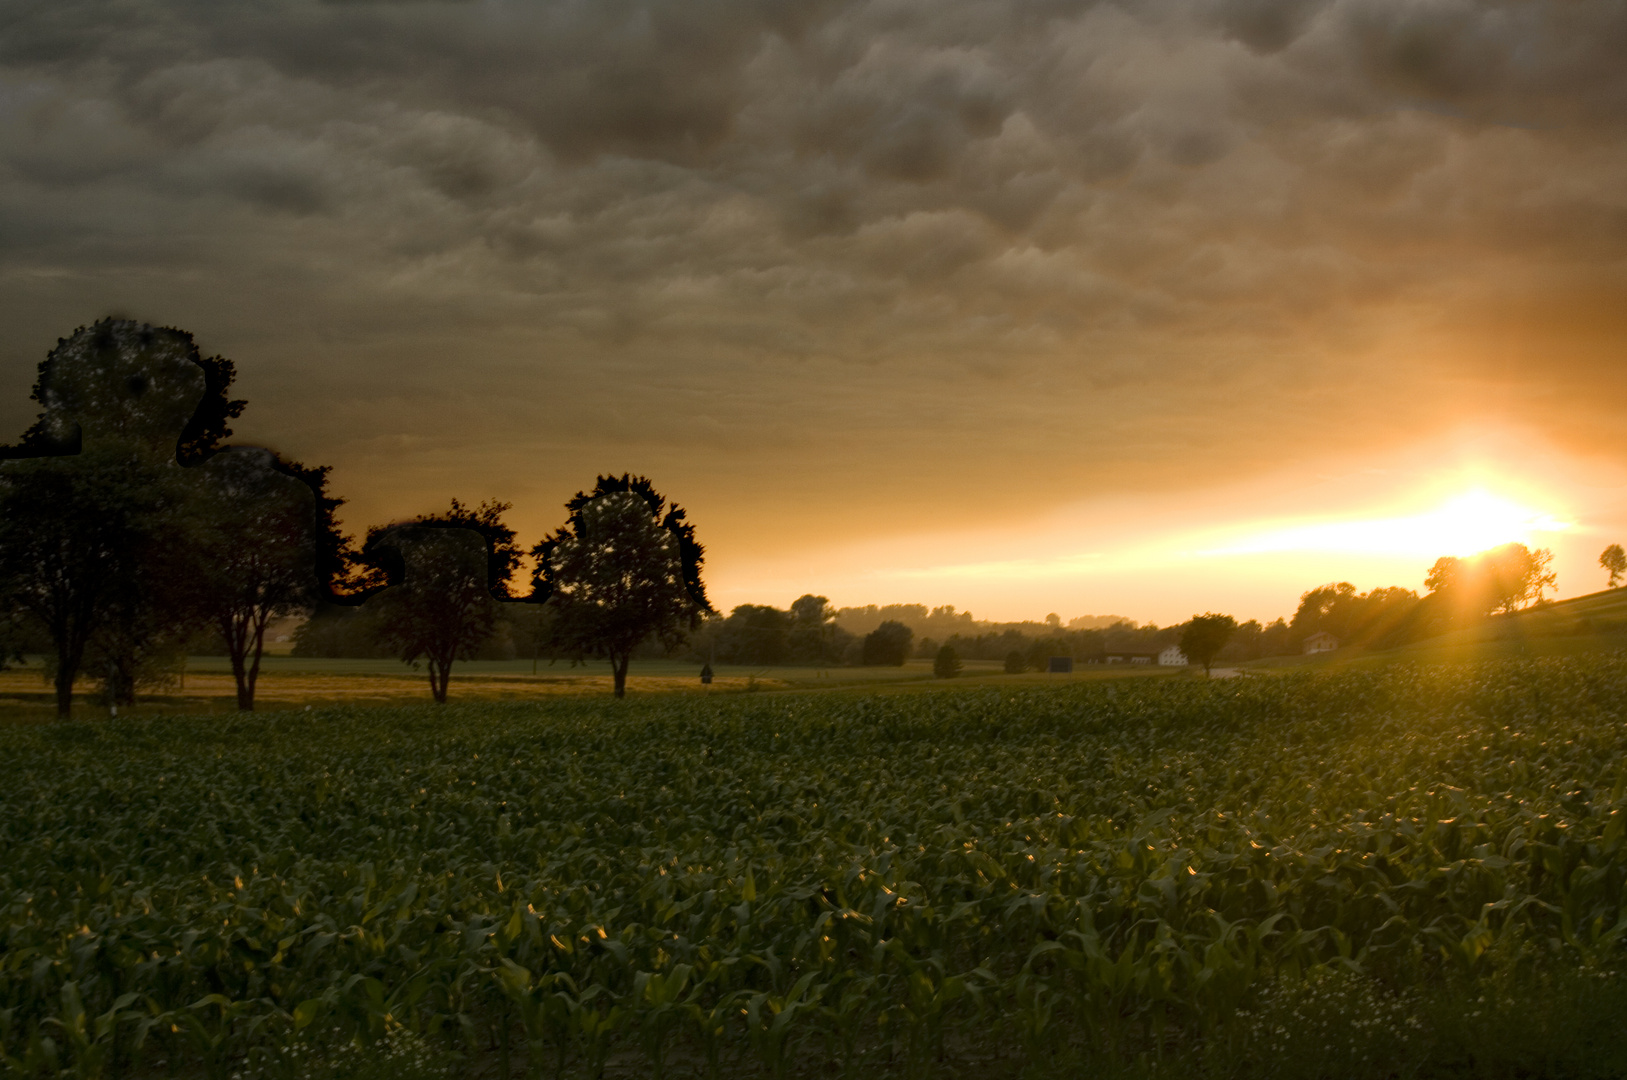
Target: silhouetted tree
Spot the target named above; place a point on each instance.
(92, 521)
(755, 634)
(122, 379)
(887, 644)
(332, 551)
(77, 535)
(625, 567)
(442, 609)
(502, 552)
(815, 638)
(1614, 560)
(1502, 579)
(946, 664)
(1205, 636)
(1016, 663)
(254, 549)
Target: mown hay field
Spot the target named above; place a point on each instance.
(1403, 871)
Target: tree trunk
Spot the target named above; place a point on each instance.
(233, 629)
(245, 701)
(64, 690)
(618, 672)
(245, 696)
(69, 642)
(440, 673)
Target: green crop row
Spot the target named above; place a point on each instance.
(761, 882)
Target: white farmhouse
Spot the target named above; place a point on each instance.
(1321, 641)
(1172, 656)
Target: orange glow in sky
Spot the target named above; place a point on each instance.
(1463, 525)
(1249, 547)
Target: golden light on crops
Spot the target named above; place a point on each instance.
(1462, 525)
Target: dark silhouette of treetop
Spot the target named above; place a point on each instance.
(251, 532)
(442, 610)
(1614, 562)
(1205, 636)
(382, 562)
(145, 385)
(887, 644)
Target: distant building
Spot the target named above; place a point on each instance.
(1059, 665)
(1169, 656)
(1321, 641)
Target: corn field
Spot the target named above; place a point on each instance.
(783, 884)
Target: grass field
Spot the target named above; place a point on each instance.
(1583, 626)
(1405, 871)
(288, 682)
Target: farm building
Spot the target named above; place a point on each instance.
(1169, 656)
(1321, 641)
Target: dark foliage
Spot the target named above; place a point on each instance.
(887, 644)
(624, 568)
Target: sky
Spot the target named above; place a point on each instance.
(1018, 305)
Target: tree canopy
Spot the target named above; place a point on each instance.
(442, 610)
(1205, 636)
(1614, 561)
(887, 644)
(625, 567)
(1500, 580)
(254, 549)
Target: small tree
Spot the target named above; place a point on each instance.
(625, 567)
(1614, 560)
(442, 611)
(946, 665)
(1205, 636)
(254, 555)
(1016, 662)
(887, 644)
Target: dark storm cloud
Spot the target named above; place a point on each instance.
(1073, 223)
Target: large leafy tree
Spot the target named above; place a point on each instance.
(624, 568)
(120, 379)
(449, 571)
(442, 609)
(254, 545)
(888, 644)
(92, 502)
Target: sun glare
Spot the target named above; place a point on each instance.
(1463, 525)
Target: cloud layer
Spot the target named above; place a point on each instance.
(841, 265)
